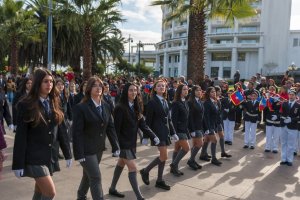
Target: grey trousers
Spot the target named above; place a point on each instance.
(91, 178)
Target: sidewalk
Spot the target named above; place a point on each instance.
(249, 174)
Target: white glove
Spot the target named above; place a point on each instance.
(19, 173)
(69, 163)
(175, 137)
(15, 127)
(287, 120)
(274, 117)
(206, 132)
(193, 134)
(81, 160)
(156, 141)
(11, 127)
(226, 110)
(116, 153)
(145, 141)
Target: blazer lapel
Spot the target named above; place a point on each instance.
(94, 109)
(160, 104)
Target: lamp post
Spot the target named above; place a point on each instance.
(49, 64)
(129, 41)
(140, 44)
(292, 68)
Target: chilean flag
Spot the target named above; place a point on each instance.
(237, 98)
(147, 88)
(262, 104)
(270, 101)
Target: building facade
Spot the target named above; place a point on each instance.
(257, 44)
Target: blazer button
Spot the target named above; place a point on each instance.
(50, 145)
(101, 135)
(102, 124)
(49, 121)
(49, 133)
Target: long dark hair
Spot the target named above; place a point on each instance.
(209, 89)
(124, 100)
(178, 92)
(32, 100)
(22, 86)
(89, 86)
(65, 92)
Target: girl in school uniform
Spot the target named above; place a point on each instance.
(39, 128)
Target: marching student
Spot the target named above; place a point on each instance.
(196, 124)
(158, 118)
(180, 115)
(289, 120)
(128, 118)
(79, 96)
(92, 122)
(251, 118)
(39, 127)
(272, 120)
(220, 127)
(211, 114)
(228, 116)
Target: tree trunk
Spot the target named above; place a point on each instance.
(14, 55)
(196, 47)
(87, 53)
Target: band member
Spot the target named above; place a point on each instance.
(289, 121)
(92, 122)
(39, 127)
(272, 120)
(211, 114)
(159, 120)
(228, 116)
(180, 115)
(128, 118)
(251, 118)
(196, 124)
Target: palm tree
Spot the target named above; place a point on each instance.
(19, 26)
(85, 15)
(199, 11)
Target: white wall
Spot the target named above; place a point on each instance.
(294, 52)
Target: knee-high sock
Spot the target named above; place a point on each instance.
(155, 162)
(194, 152)
(161, 167)
(222, 145)
(36, 196)
(213, 147)
(46, 198)
(204, 149)
(179, 156)
(117, 174)
(134, 185)
(174, 155)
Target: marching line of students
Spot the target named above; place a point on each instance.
(201, 118)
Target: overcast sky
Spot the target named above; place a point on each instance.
(144, 21)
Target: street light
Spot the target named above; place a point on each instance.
(140, 44)
(292, 68)
(129, 41)
(50, 36)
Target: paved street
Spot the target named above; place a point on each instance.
(250, 174)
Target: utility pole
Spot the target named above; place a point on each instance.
(49, 64)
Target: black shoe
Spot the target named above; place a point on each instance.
(116, 193)
(283, 163)
(226, 142)
(226, 155)
(181, 173)
(267, 150)
(229, 143)
(205, 158)
(209, 156)
(192, 165)
(216, 162)
(199, 166)
(295, 153)
(252, 147)
(175, 171)
(245, 146)
(145, 176)
(274, 151)
(162, 185)
(289, 164)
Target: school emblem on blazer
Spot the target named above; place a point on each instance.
(296, 111)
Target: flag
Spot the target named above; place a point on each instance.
(262, 104)
(237, 98)
(270, 101)
(147, 88)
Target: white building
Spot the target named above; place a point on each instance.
(263, 43)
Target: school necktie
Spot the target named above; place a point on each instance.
(100, 111)
(46, 106)
(290, 105)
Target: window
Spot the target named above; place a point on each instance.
(248, 41)
(170, 59)
(170, 72)
(226, 72)
(214, 72)
(221, 56)
(241, 56)
(223, 41)
(223, 30)
(295, 42)
(248, 29)
(175, 72)
(177, 58)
